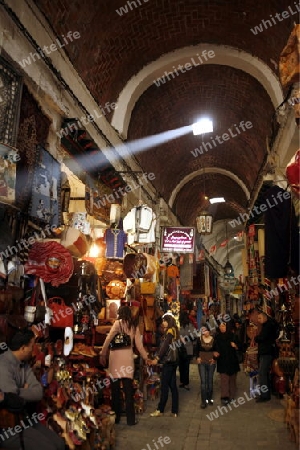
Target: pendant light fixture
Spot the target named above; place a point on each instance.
(228, 269)
(204, 220)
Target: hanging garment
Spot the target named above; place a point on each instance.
(148, 237)
(281, 240)
(144, 216)
(115, 240)
(129, 225)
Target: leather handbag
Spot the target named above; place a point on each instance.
(35, 308)
(62, 315)
(171, 356)
(120, 340)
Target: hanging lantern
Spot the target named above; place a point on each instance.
(204, 223)
(228, 269)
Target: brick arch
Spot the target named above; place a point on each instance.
(224, 55)
(196, 173)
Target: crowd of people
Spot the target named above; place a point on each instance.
(218, 348)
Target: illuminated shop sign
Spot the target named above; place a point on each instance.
(178, 239)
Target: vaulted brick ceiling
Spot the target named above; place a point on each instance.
(113, 48)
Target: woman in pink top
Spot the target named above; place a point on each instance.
(121, 363)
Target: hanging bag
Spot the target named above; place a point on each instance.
(35, 309)
(62, 315)
(120, 340)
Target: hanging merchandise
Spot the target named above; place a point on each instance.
(139, 223)
(7, 173)
(115, 213)
(293, 174)
(45, 199)
(115, 240)
(282, 236)
(65, 193)
(50, 261)
(74, 241)
(289, 59)
(79, 222)
(98, 199)
(35, 307)
(62, 315)
(116, 289)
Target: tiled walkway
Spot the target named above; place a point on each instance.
(248, 427)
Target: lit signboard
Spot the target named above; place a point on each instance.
(178, 239)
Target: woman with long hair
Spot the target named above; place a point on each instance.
(121, 363)
(206, 360)
(187, 334)
(168, 372)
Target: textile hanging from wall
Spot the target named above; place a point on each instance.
(10, 95)
(115, 240)
(98, 199)
(186, 273)
(282, 235)
(7, 178)
(45, 200)
(33, 130)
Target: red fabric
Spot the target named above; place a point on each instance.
(38, 262)
(293, 174)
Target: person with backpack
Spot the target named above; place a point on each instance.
(168, 357)
(266, 341)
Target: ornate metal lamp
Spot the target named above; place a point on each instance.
(228, 269)
(204, 223)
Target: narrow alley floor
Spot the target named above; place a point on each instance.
(248, 426)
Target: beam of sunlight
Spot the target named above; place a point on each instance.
(95, 160)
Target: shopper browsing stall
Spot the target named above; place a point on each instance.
(121, 362)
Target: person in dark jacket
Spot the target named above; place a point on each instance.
(227, 362)
(168, 372)
(187, 333)
(17, 377)
(266, 353)
(206, 359)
